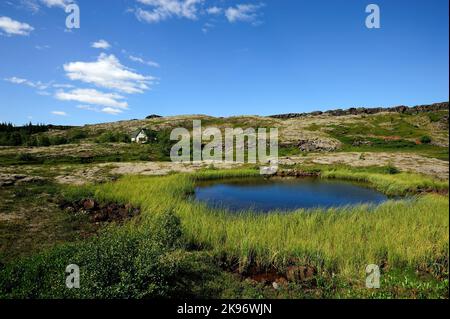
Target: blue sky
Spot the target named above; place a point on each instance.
(217, 57)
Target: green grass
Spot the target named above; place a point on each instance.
(379, 125)
(388, 133)
(390, 184)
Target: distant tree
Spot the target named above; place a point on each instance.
(11, 135)
(15, 139)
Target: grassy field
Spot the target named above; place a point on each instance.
(178, 247)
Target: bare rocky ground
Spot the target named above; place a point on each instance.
(100, 172)
(406, 162)
(94, 173)
(312, 134)
(78, 174)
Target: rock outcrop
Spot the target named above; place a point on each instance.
(362, 110)
(153, 116)
(318, 145)
(18, 179)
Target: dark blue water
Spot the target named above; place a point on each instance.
(263, 195)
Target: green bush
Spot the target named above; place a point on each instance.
(25, 157)
(32, 141)
(76, 135)
(113, 137)
(392, 170)
(43, 140)
(168, 230)
(124, 263)
(58, 140)
(425, 139)
(164, 144)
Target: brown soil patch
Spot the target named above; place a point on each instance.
(99, 213)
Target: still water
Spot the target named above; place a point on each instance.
(286, 194)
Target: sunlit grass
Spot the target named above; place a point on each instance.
(395, 184)
(411, 233)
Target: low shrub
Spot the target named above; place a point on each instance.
(118, 264)
(425, 139)
(113, 137)
(26, 157)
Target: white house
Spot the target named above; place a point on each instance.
(139, 136)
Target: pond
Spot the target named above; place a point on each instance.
(285, 194)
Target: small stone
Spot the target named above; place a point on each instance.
(89, 204)
(300, 273)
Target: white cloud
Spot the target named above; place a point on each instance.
(13, 27)
(35, 5)
(101, 44)
(42, 47)
(214, 10)
(112, 111)
(108, 110)
(43, 93)
(37, 85)
(142, 61)
(16, 80)
(93, 97)
(243, 12)
(88, 108)
(41, 87)
(108, 72)
(30, 5)
(161, 10)
(63, 86)
(206, 27)
(59, 113)
(57, 3)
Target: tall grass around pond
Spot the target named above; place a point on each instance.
(399, 233)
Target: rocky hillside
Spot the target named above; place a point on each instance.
(421, 130)
(362, 110)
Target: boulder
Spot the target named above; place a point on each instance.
(153, 116)
(18, 179)
(317, 145)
